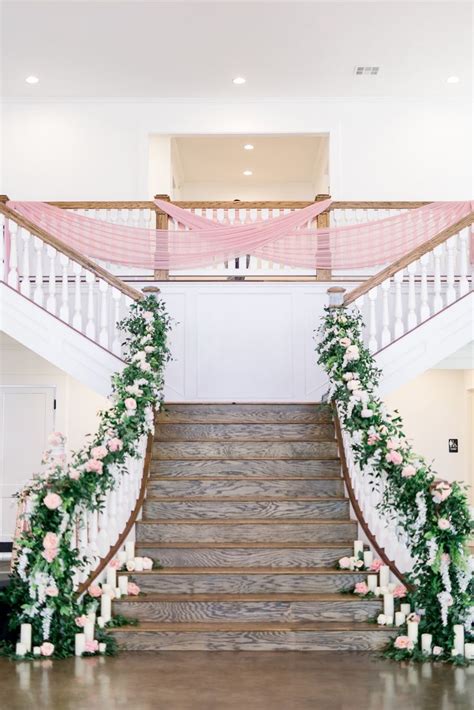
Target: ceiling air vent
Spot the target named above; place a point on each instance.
(366, 71)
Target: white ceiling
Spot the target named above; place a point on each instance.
(194, 49)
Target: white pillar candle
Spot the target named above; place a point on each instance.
(383, 590)
(459, 639)
(91, 617)
(384, 576)
(106, 607)
(377, 591)
(122, 557)
(358, 547)
(25, 636)
(372, 582)
(389, 619)
(368, 558)
(391, 587)
(412, 630)
(118, 593)
(107, 589)
(112, 577)
(102, 647)
(36, 651)
(88, 631)
(469, 651)
(399, 618)
(79, 644)
(405, 608)
(426, 641)
(100, 622)
(138, 564)
(388, 606)
(20, 649)
(130, 550)
(123, 583)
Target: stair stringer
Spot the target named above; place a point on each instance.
(55, 341)
(427, 344)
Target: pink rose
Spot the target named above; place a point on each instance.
(99, 452)
(147, 563)
(345, 342)
(95, 591)
(366, 413)
(145, 366)
(52, 501)
(130, 404)
(376, 565)
(148, 316)
(47, 649)
(56, 438)
(383, 429)
(81, 620)
(441, 491)
(74, 474)
(403, 643)
(92, 646)
(437, 650)
(115, 563)
(352, 353)
(130, 565)
(51, 591)
(361, 588)
(353, 385)
(400, 591)
(393, 443)
(348, 376)
(133, 589)
(149, 348)
(94, 466)
(50, 541)
(50, 554)
(408, 471)
(394, 457)
(444, 524)
(414, 617)
(372, 439)
(115, 444)
(345, 563)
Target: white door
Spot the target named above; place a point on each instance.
(26, 419)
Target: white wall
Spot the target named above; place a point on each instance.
(436, 406)
(98, 149)
(227, 191)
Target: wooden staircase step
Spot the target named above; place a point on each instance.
(225, 468)
(246, 413)
(248, 450)
(248, 607)
(254, 636)
(244, 432)
(247, 530)
(243, 488)
(321, 508)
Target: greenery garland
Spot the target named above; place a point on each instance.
(41, 589)
(432, 515)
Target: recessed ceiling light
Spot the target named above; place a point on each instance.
(453, 80)
(248, 172)
(32, 79)
(248, 146)
(239, 80)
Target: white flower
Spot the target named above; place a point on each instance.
(145, 366)
(381, 619)
(366, 413)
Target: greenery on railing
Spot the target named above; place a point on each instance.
(41, 591)
(432, 515)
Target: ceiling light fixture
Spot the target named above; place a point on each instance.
(453, 80)
(248, 172)
(248, 146)
(239, 80)
(32, 79)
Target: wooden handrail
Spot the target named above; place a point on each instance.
(130, 522)
(104, 205)
(71, 253)
(230, 204)
(356, 507)
(408, 258)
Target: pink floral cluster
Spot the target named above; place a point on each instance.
(50, 546)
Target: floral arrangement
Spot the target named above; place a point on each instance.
(433, 515)
(42, 591)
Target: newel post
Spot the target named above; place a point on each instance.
(322, 222)
(336, 296)
(162, 221)
(4, 242)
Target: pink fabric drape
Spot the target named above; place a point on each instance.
(291, 239)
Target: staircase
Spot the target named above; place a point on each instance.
(246, 512)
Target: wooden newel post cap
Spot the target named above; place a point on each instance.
(166, 198)
(336, 296)
(151, 289)
(4, 198)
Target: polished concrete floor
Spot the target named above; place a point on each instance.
(234, 681)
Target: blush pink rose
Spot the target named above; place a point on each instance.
(348, 376)
(50, 554)
(74, 474)
(353, 385)
(52, 501)
(55, 438)
(47, 649)
(345, 342)
(394, 457)
(444, 524)
(92, 646)
(345, 563)
(50, 541)
(403, 643)
(94, 466)
(115, 444)
(145, 366)
(148, 348)
(99, 452)
(400, 591)
(115, 563)
(130, 404)
(81, 620)
(148, 316)
(133, 589)
(414, 617)
(376, 565)
(361, 588)
(393, 443)
(95, 591)
(408, 471)
(372, 439)
(51, 591)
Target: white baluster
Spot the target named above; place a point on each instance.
(386, 337)
(83, 541)
(51, 300)
(116, 344)
(92, 522)
(77, 315)
(438, 297)
(25, 286)
(64, 308)
(12, 270)
(38, 294)
(412, 319)
(463, 261)
(398, 328)
(103, 540)
(372, 319)
(104, 324)
(450, 283)
(424, 307)
(90, 324)
(3, 265)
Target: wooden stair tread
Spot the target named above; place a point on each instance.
(245, 545)
(246, 570)
(244, 521)
(243, 597)
(244, 499)
(220, 479)
(283, 626)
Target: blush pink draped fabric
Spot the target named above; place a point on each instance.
(291, 239)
